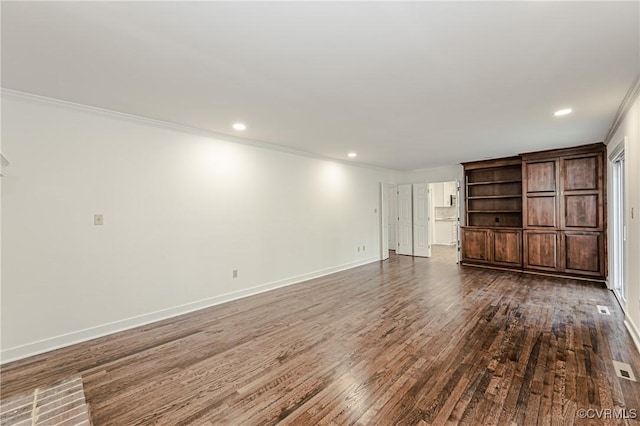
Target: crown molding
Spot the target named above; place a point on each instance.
(627, 102)
(16, 94)
(427, 169)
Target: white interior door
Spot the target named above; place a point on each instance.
(421, 218)
(384, 222)
(405, 220)
(392, 214)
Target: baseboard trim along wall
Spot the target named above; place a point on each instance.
(633, 330)
(61, 341)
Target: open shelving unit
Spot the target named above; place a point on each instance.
(494, 193)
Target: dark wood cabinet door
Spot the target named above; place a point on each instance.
(507, 247)
(583, 253)
(540, 199)
(540, 249)
(582, 211)
(582, 195)
(541, 176)
(581, 173)
(541, 211)
(475, 245)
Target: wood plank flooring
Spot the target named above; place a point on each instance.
(405, 341)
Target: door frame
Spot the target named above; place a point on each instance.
(392, 207)
(458, 227)
(618, 255)
(408, 249)
(384, 222)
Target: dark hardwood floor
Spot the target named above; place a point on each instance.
(405, 341)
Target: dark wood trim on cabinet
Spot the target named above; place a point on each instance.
(498, 162)
(563, 152)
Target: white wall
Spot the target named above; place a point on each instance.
(181, 211)
(630, 128)
(435, 174)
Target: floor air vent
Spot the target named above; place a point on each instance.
(624, 371)
(603, 310)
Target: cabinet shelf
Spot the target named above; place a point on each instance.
(484, 197)
(493, 182)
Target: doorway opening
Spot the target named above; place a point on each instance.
(446, 221)
(420, 217)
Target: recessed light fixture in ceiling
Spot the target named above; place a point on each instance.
(239, 126)
(352, 155)
(562, 112)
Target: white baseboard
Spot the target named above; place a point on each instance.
(79, 336)
(633, 330)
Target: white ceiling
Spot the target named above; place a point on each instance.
(406, 85)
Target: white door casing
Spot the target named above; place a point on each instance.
(457, 226)
(392, 214)
(421, 218)
(405, 220)
(384, 222)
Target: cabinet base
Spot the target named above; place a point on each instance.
(531, 272)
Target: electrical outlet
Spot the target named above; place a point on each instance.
(98, 219)
(235, 273)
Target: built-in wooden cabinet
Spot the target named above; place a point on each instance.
(564, 194)
(492, 246)
(493, 203)
(555, 212)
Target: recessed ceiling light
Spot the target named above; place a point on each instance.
(352, 155)
(239, 126)
(561, 112)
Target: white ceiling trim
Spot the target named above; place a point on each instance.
(16, 94)
(627, 102)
